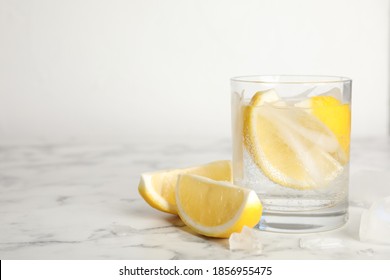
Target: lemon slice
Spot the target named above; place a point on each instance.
(291, 145)
(336, 116)
(214, 208)
(158, 188)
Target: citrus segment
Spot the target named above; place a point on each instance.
(291, 146)
(336, 116)
(158, 188)
(215, 208)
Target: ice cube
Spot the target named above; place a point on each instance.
(269, 96)
(247, 239)
(320, 243)
(334, 92)
(375, 222)
(301, 100)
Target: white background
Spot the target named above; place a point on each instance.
(147, 70)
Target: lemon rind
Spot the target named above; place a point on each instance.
(259, 158)
(249, 203)
(155, 200)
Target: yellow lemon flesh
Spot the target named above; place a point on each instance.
(297, 147)
(158, 188)
(335, 115)
(215, 208)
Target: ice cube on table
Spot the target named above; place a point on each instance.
(320, 243)
(375, 222)
(247, 239)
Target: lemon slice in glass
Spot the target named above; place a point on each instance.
(291, 145)
(335, 115)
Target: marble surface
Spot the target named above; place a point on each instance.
(81, 202)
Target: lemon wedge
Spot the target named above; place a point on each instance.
(336, 116)
(292, 146)
(158, 188)
(215, 208)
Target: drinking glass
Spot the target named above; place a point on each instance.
(291, 139)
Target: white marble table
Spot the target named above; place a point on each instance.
(81, 202)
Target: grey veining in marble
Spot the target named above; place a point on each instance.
(81, 202)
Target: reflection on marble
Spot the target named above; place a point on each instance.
(81, 202)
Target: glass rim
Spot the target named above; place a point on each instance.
(290, 79)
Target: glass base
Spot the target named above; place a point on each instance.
(304, 221)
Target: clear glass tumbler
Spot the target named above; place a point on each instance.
(291, 138)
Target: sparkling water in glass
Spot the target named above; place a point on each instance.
(291, 138)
